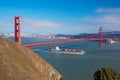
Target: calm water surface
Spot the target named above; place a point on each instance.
(74, 67)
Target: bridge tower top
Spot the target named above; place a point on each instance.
(17, 33)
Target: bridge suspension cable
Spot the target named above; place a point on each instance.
(17, 35)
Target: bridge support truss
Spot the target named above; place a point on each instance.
(100, 35)
(17, 32)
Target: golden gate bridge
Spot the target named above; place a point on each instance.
(17, 36)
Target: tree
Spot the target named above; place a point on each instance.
(106, 74)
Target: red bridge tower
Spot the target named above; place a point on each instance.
(100, 35)
(17, 30)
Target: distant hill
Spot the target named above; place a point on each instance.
(111, 34)
(20, 63)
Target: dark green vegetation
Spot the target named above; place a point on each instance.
(20, 63)
(106, 74)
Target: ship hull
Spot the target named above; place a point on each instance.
(67, 52)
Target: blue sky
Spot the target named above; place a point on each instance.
(60, 16)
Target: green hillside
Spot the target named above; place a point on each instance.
(20, 63)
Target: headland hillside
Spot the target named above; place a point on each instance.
(20, 63)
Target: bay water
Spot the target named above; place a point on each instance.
(79, 67)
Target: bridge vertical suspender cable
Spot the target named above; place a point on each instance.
(17, 33)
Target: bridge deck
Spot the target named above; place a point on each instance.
(65, 41)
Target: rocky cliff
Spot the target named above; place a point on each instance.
(20, 63)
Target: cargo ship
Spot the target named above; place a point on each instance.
(66, 51)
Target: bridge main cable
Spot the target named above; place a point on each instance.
(64, 41)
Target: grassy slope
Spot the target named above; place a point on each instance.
(20, 63)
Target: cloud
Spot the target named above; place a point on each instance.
(110, 20)
(40, 23)
(106, 19)
(43, 26)
(108, 10)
